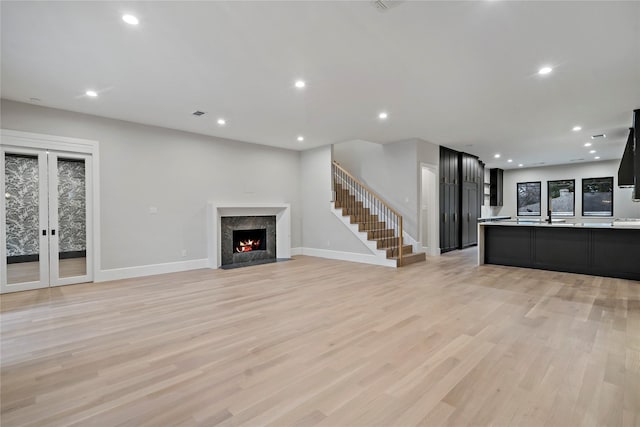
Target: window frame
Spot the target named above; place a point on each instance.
(518, 198)
(583, 192)
(573, 209)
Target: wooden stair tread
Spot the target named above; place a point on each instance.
(411, 258)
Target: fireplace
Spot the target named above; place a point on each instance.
(247, 240)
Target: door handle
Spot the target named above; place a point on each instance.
(53, 232)
(44, 232)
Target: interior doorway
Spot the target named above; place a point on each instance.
(46, 212)
(429, 233)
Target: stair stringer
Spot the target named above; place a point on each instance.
(378, 256)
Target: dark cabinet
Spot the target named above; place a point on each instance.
(470, 214)
(495, 186)
(449, 200)
(471, 179)
(461, 182)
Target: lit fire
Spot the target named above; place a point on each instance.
(248, 245)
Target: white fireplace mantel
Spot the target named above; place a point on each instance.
(215, 211)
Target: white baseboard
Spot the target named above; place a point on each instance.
(348, 256)
(296, 251)
(431, 251)
(150, 270)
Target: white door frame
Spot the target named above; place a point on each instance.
(433, 247)
(54, 259)
(17, 140)
(43, 222)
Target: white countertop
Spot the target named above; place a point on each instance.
(514, 223)
(493, 218)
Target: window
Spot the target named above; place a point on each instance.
(562, 197)
(529, 198)
(597, 196)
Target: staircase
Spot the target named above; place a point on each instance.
(381, 223)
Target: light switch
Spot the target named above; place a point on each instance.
(153, 210)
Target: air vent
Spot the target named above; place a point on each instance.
(380, 5)
(198, 113)
(576, 160)
(384, 5)
(602, 135)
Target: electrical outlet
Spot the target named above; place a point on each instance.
(153, 210)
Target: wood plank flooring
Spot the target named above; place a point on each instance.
(314, 342)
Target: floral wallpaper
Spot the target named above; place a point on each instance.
(22, 188)
(22, 183)
(72, 227)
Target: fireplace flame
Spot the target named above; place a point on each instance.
(248, 245)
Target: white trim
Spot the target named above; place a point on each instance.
(150, 270)
(296, 251)
(430, 248)
(348, 256)
(44, 142)
(216, 210)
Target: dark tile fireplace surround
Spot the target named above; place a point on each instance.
(247, 246)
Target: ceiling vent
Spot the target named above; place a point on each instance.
(576, 160)
(198, 113)
(602, 135)
(383, 5)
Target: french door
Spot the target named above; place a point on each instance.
(46, 237)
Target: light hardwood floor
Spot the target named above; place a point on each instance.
(326, 343)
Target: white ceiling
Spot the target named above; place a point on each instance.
(460, 74)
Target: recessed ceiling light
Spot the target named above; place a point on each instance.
(222, 122)
(520, 165)
(497, 156)
(383, 115)
(300, 138)
(545, 70)
(576, 128)
(300, 84)
(597, 157)
(130, 19)
(510, 160)
(587, 144)
(91, 93)
(592, 151)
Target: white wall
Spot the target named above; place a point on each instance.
(321, 228)
(623, 207)
(176, 172)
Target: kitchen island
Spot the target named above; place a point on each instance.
(601, 249)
